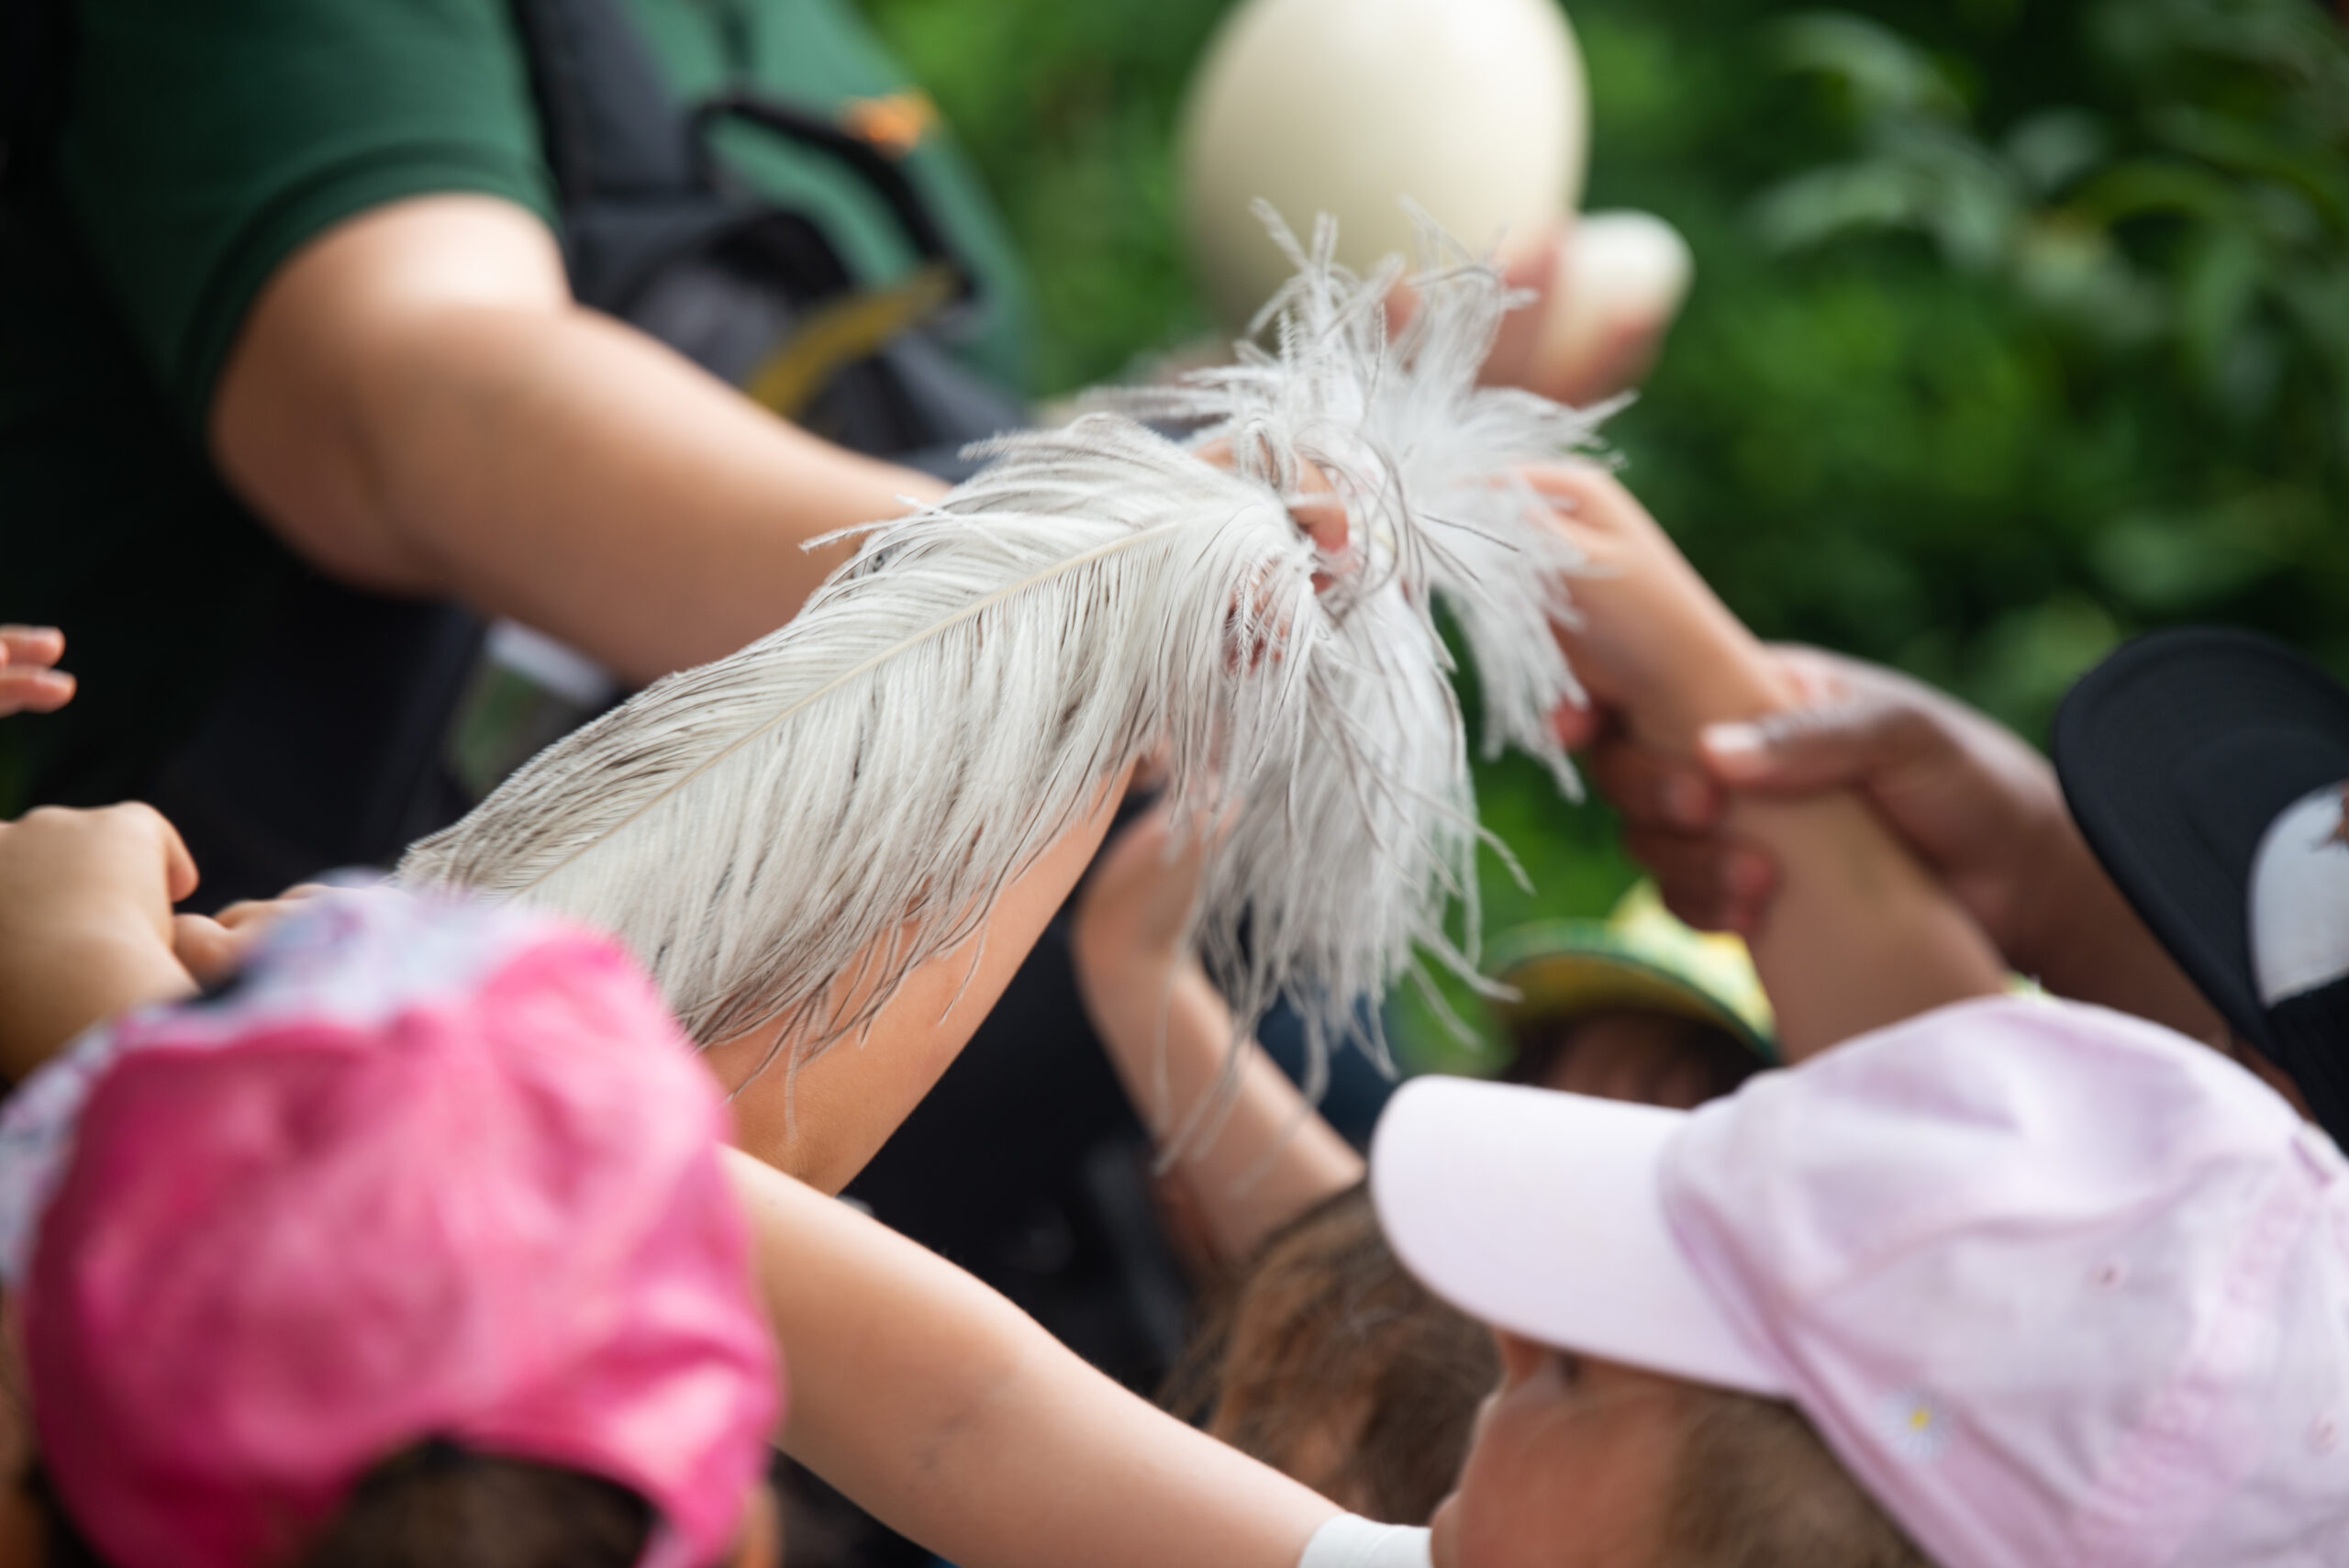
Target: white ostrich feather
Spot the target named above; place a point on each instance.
(1424, 456)
(788, 832)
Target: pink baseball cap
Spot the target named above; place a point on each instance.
(2058, 1286)
(426, 1169)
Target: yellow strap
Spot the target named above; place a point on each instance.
(894, 123)
(841, 332)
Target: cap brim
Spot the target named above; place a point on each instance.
(1564, 984)
(1543, 1213)
(2175, 755)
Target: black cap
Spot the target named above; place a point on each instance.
(2177, 754)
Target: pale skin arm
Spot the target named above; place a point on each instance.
(1859, 936)
(416, 405)
(1170, 1036)
(824, 1122)
(951, 1416)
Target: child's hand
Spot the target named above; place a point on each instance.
(85, 924)
(1651, 641)
(1133, 914)
(1319, 512)
(28, 680)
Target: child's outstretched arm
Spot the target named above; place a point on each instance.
(1252, 1154)
(1859, 935)
(823, 1121)
(949, 1416)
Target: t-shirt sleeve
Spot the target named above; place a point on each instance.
(206, 140)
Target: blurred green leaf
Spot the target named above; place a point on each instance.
(1883, 72)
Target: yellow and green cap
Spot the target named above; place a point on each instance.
(1640, 956)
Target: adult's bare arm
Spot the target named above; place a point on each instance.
(1980, 808)
(416, 405)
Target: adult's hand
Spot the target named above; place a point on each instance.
(29, 681)
(86, 923)
(1979, 809)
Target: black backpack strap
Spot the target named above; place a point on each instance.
(608, 126)
(638, 190)
(881, 167)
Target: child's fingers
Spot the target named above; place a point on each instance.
(179, 866)
(1711, 884)
(261, 911)
(1585, 484)
(1140, 893)
(1577, 725)
(32, 645)
(32, 690)
(1594, 509)
(213, 948)
(206, 949)
(1317, 509)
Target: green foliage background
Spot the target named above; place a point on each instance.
(2017, 327)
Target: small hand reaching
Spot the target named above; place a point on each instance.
(212, 947)
(1246, 1149)
(29, 680)
(85, 924)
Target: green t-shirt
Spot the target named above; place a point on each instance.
(206, 141)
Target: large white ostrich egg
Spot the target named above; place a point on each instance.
(1475, 109)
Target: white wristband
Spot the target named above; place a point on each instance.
(1349, 1541)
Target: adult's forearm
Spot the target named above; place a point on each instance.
(570, 472)
(2081, 939)
(949, 1416)
(564, 469)
(417, 405)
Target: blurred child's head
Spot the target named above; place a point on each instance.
(1637, 1006)
(1325, 1357)
(2014, 1282)
(408, 1245)
(1329, 1362)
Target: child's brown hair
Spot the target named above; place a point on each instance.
(438, 1505)
(1754, 1487)
(1326, 1361)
